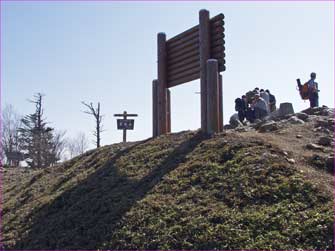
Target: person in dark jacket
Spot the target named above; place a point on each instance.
(245, 100)
(249, 113)
(241, 105)
(272, 101)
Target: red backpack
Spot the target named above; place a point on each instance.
(303, 90)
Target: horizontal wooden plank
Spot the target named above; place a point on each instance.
(183, 80)
(216, 53)
(193, 32)
(217, 39)
(195, 64)
(177, 56)
(192, 44)
(216, 43)
(219, 23)
(222, 67)
(186, 54)
(177, 50)
(217, 30)
(184, 74)
(217, 49)
(218, 56)
(182, 68)
(217, 36)
(191, 36)
(221, 61)
(215, 21)
(216, 18)
(127, 115)
(176, 60)
(183, 63)
(183, 34)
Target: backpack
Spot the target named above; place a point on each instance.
(303, 90)
(239, 104)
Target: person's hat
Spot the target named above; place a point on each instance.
(313, 75)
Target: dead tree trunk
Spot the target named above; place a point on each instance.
(95, 112)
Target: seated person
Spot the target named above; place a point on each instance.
(260, 107)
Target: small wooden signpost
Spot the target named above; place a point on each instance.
(125, 124)
(195, 53)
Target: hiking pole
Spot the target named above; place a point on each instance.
(299, 83)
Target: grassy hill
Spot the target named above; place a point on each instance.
(236, 190)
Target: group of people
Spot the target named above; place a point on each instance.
(255, 104)
(258, 103)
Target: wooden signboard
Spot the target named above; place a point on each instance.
(186, 57)
(183, 52)
(127, 124)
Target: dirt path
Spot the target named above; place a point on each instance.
(286, 140)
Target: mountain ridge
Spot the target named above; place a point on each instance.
(241, 189)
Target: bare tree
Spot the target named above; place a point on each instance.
(77, 145)
(11, 122)
(82, 143)
(95, 112)
(59, 145)
(71, 148)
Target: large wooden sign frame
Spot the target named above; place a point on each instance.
(195, 53)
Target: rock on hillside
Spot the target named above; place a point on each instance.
(242, 189)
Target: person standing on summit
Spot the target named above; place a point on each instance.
(264, 95)
(313, 91)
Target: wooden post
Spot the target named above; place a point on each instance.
(125, 115)
(204, 40)
(162, 83)
(168, 110)
(124, 135)
(155, 108)
(124, 130)
(212, 97)
(220, 104)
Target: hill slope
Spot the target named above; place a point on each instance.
(237, 190)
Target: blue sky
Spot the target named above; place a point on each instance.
(106, 51)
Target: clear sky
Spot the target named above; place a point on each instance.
(106, 51)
